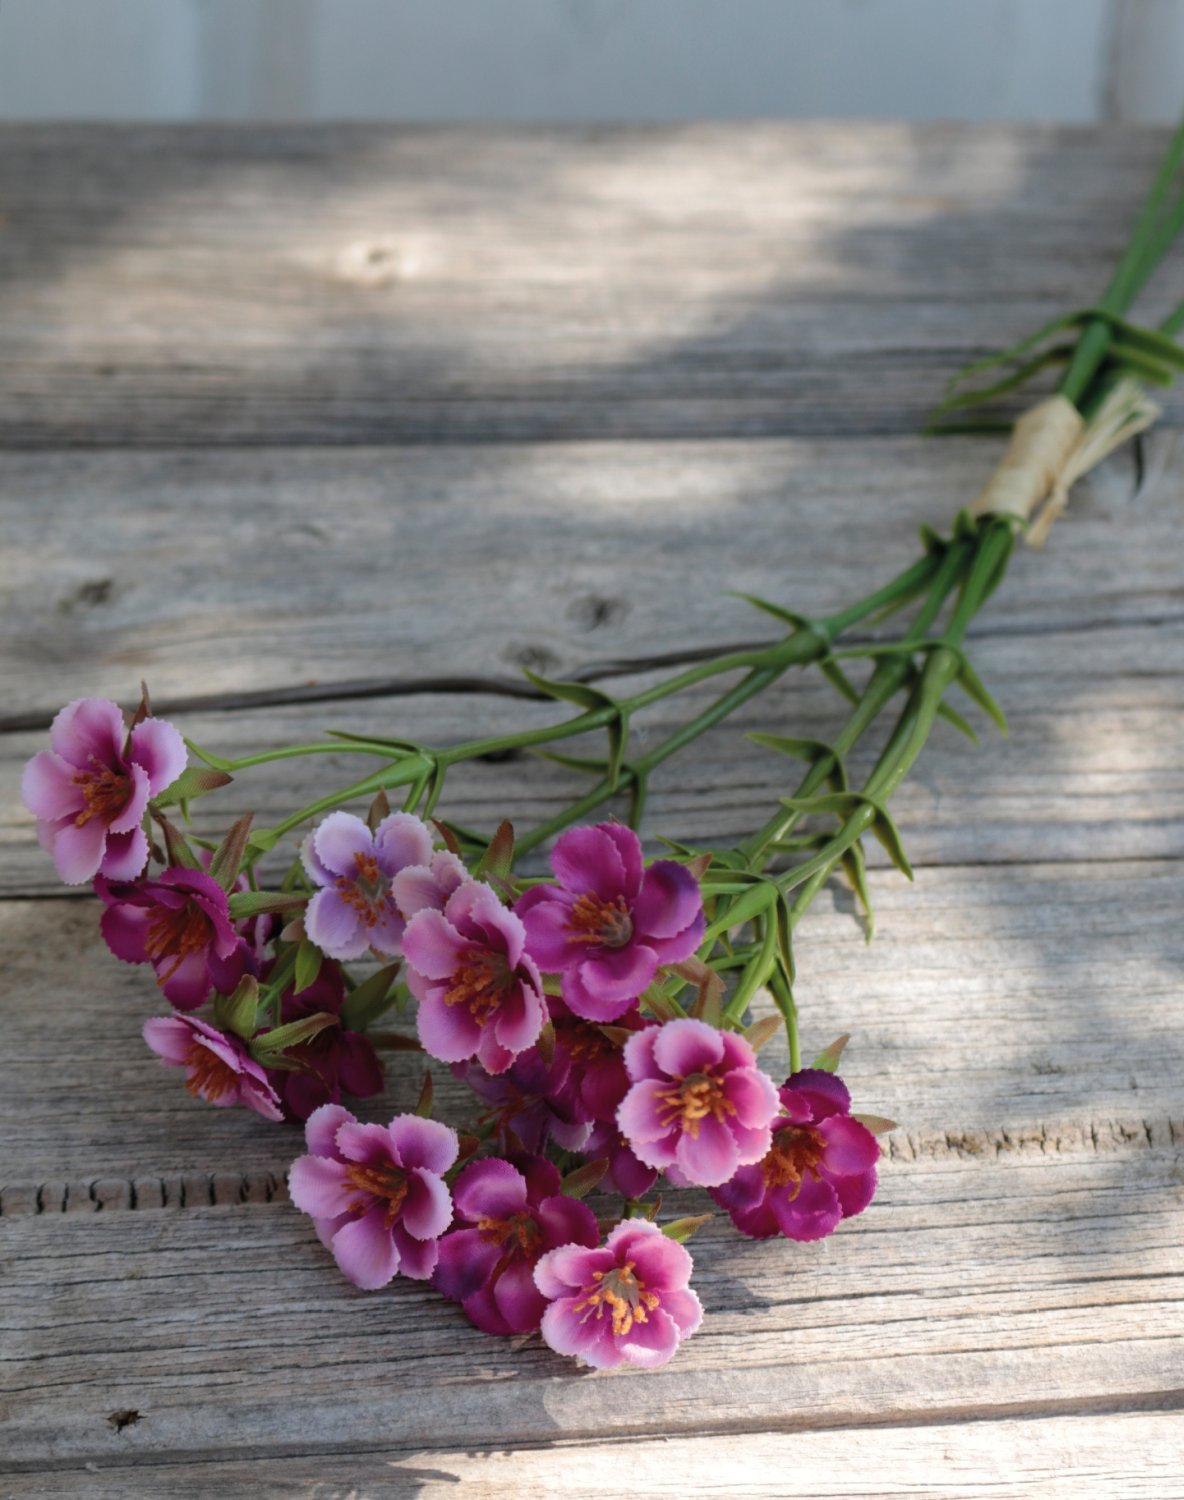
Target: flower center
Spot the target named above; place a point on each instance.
(692, 1099)
(796, 1150)
(619, 1293)
(608, 924)
(518, 1233)
(480, 982)
(176, 933)
(585, 1044)
(209, 1077)
(105, 794)
(385, 1181)
(367, 890)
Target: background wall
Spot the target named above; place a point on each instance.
(1066, 60)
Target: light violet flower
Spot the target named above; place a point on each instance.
(610, 922)
(626, 1303)
(819, 1169)
(479, 994)
(699, 1106)
(180, 924)
(220, 1069)
(511, 1213)
(427, 887)
(376, 1193)
(90, 790)
(356, 908)
(332, 1060)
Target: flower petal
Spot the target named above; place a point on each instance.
(569, 1268)
(518, 1300)
(616, 974)
(427, 1209)
(157, 746)
(545, 913)
(423, 1143)
(564, 1330)
(640, 1116)
(587, 860)
(365, 1250)
(189, 983)
(826, 1093)
(48, 788)
(169, 1037)
(709, 1158)
(669, 900)
(850, 1146)
(685, 1308)
(650, 1344)
(78, 851)
(465, 1264)
(432, 945)
(417, 1258)
(321, 1127)
(811, 1214)
(319, 1187)
(751, 1094)
(401, 840)
(339, 840)
(687, 1046)
(89, 730)
(124, 928)
(446, 1032)
(366, 1145)
(856, 1192)
(334, 926)
(126, 855)
(490, 1189)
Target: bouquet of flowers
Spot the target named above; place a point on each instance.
(607, 1017)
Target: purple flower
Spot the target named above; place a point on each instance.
(819, 1169)
(332, 1060)
(626, 1173)
(609, 923)
(90, 791)
(180, 924)
(597, 1059)
(219, 1067)
(356, 908)
(512, 1212)
(531, 1103)
(625, 1303)
(376, 1193)
(699, 1106)
(479, 994)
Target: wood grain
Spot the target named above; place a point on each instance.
(382, 285)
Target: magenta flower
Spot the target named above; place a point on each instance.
(511, 1213)
(819, 1169)
(220, 1069)
(356, 908)
(531, 1103)
(610, 922)
(598, 1074)
(376, 1193)
(699, 1106)
(180, 924)
(90, 790)
(625, 1303)
(332, 1060)
(625, 1173)
(479, 994)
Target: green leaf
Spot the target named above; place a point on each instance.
(379, 809)
(219, 762)
(423, 1107)
(972, 685)
(239, 1011)
(682, 1229)
(594, 764)
(280, 1038)
(194, 781)
(952, 716)
(254, 903)
(177, 851)
(582, 694)
(844, 804)
(498, 859)
(877, 1124)
(709, 989)
(369, 1000)
(659, 1004)
(827, 1060)
(855, 868)
(811, 751)
(777, 611)
(638, 789)
(762, 1032)
(381, 742)
(838, 679)
(263, 840)
(308, 965)
(579, 1184)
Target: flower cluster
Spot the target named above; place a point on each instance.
(557, 1002)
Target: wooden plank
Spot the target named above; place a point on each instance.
(1000, 1011)
(172, 286)
(1112, 1456)
(1040, 1286)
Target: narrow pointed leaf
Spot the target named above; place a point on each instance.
(877, 1124)
(380, 808)
(194, 781)
(308, 965)
(827, 1060)
(579, 1184)
(952, 716)
(498, 858)
(239, 1011)
(177, 850)
(762, 1032)
(682, 1229)
(972, 685)
(423, 1105)
(582, 694)
(254, 903)
(370, 999)
(280, 1038)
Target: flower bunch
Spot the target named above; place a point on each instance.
(604, 1016)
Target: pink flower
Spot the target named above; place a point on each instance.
(356, 908)
(332, 1060)
(512, 1213)
(628, 1302)
(90, 791)
(699, 1106)
(609, 923)
(820, 1167)
(219, 1067)
(376, 1193)
(180, 924)
(479, 994)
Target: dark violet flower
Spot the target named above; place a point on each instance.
(356, 908)
(699, 1106)
(625, 1173)
(220, 1069)
(332, 1060)
(90, 790)
(511, 1213)
(479, 994)
(819, 1169)
(628, 1302)
(376, 1193)
(534, 1101)
(610, 922)
(597, 1057)
(179, 923)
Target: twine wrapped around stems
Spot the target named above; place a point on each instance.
(1052, 447)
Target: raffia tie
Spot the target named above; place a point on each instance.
(1051, 448)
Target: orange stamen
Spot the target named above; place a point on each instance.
(608, 924)
(685, 1103)
(105, 792)
(622, 1295)
(383, 1182)
(209, 1077)
(480, 982)
(796, 1152)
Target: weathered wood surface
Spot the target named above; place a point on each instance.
(1006, 1319)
